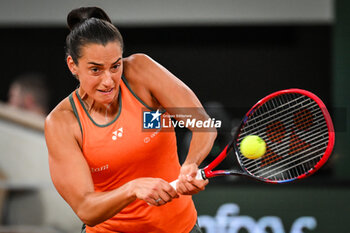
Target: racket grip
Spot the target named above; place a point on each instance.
(198, 177)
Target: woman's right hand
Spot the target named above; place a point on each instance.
(154, 191)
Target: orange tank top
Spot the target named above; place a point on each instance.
(121, 151)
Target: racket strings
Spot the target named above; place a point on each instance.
(256, 124)
(313, 131)
(294, 158)
(276, 137)
(281, 128)
(284, 147)
(292, 145)
(274, 107)
(305, 161)
(270, 108)
(269, 161)
(288, 122)
(296, 134)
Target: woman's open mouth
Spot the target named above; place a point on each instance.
(108, 91)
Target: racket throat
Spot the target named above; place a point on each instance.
(233, 171)
(201, 175)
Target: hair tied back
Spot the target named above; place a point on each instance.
(79, 15)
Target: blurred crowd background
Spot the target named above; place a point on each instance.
(230, 53)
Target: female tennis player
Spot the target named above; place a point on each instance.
(113, 174)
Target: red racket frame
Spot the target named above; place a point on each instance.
(208, 170)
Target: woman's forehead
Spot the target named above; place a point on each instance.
(100, 53)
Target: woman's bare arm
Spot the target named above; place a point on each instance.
(178, 99)
(71, 175)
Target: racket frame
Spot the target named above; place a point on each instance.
(239, 169)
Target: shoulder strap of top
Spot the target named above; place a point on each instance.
(72, 102)
(134, 94)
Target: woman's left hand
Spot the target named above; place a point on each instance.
(188, 184)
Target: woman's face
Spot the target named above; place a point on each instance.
(99, 71)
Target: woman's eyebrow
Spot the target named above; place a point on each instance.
(117, 60)
(98, 64)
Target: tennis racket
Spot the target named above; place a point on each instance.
(299, 136)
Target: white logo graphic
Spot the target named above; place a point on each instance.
(191, 122)
(151, 120)
(100, 169)
(148, 139)
(117, 134)
(227, 220)
(155, 115)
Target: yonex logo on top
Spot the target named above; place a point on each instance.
(117, 134)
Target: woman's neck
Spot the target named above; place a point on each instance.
(99, 112)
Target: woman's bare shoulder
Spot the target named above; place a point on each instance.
(61, 116)
(140, 71)
(136, 60)
(137, 67)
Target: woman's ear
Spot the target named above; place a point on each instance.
(72, 66)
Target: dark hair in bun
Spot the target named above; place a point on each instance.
(77, 16)
(89, 25)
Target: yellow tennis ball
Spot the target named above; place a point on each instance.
(252, 147)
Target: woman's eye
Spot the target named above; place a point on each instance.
(115, 67)
(94, 70)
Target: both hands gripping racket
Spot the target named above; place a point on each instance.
(299, 135)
